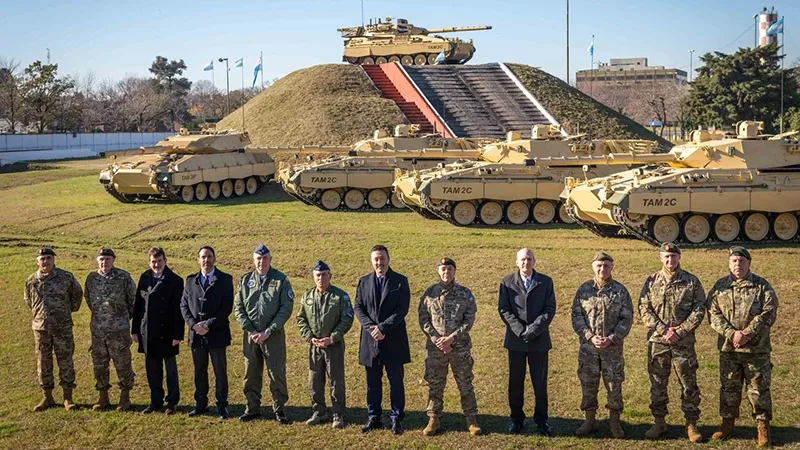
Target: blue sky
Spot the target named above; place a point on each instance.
(113, 38)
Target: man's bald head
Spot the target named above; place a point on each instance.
(525, 261)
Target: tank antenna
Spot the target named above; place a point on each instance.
(362, 13)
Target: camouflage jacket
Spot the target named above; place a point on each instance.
(604, 311)
(447, 311)
(52, 299)
(110, 298)
(326, 315)
(748, 305)
(677, 302)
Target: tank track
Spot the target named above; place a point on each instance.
(440, 211)
(313, 199)
(422, 212)
(114, 193)
(167, 192)
(603, 232)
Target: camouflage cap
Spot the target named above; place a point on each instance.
(104, 251)
(669, 247)
(737, 250)
(446, 262)
(45, 251)
(602, 256)
(320, 266)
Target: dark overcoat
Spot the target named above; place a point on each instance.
(157, 318)
(387, 310)
(519, 308)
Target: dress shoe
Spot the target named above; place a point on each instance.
(197, 411)
(397, 428)
(372, 424)
(514, 427)
(280, 416)
(170, 410)
(223, 412)
(247, 417)
(544, 429)
(150, 409)
(338, 421)
(317, 418)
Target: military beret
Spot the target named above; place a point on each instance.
(321, 266)
(45, 251)
(103, 251)
(602, 256)
(447, 262)
(669, 247)
(739, 251)
(261, 249)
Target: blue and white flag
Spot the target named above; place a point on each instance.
(591, 48)
(256, 69)
(440, 58)
(239, 62)
(775, 28)
(209, 66)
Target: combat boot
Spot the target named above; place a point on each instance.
(124, 400)
(658, 428)
(472, 424)
(725, 430)
(47, 400)
(588, 424)
(432, 427)
(103, 402)
(69, 405)
(692, 432)
(615, 425)
(764, 433)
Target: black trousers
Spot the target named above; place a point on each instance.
(536, 362)
(154, 367)
(200, 357)
(397, 391)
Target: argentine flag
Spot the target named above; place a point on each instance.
(209, 66)
(440, 58)
(256, 69)
(591, 48)
(775, 28)
(239, 62)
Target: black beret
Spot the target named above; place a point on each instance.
(261, 249)
(669, 247)
(103, 251)
(320, 266)
(602, 256)
(447, 262)
(739, 251)
(45, 251)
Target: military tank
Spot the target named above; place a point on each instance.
(717, 189)
(362, 179)
(508, 184)
(384, 41)
(192, 167)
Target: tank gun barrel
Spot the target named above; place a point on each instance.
(614, 158)
(132, 152)
(456, 29)
(297, 149)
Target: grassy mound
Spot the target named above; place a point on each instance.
(330, 104)
(577, 112)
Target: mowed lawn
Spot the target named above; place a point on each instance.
(68, 209)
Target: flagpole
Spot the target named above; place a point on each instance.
(591, 83)
(783, 41)
(243, 101)
(262, 70)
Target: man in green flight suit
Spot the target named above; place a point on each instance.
(262, 306)
(324, 317)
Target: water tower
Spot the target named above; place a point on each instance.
(765, 20)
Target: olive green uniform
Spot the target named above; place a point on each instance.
(264, 303)
(328, 314)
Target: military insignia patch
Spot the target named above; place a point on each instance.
(252, 283)
(290, 294)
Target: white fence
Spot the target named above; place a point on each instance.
(25, 147)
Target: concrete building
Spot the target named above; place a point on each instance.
(627, 70)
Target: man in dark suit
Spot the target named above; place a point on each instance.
(158, 328)
(206, 304)
(527, 303)
(382, 301)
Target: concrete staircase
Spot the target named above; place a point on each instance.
(390, 91)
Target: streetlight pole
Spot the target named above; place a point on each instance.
(755, 28)
(567, 42)
(227, 86)
(691, 60)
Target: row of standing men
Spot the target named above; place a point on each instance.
(742, 307)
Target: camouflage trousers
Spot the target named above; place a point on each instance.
(436, 366)
(661, 359)
(734, 370)
(62, 343)
(594, 362)
(116, 347)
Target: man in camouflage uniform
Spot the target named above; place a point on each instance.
(602, 314)
(324, 317)
(446, 314)
(672, 305)
(110, 294)
(742, 307)
(53, 295)
(262, 306)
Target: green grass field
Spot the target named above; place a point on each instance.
(66, 208)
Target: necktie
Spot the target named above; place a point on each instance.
(527, 284)
(205, 283)
(380, 284)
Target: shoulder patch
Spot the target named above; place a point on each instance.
(471, 297)
(290, 294)
(251, 283)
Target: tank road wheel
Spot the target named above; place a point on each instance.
(214, 190)
(380, 60)
(755, 226)
(394, 59)
(432, 58)
(563, 217)
(543, 211)
(367, 61)
(695, 228)
(200, 191)
(726, 227)
(352, 60)
(464, 213)
(377, 198)
(420, 60)
(187, 193)
(665, 229)
(354, 199)
(264, 178)
(227, 188)
(491, 213)
(251, 185)
(239, 187)
(407, 60)
(784, 226)
(330, 199)
(517, 212)
(397, 202)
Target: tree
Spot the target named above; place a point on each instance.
(11, 106)
(167, 77)
(42, 91)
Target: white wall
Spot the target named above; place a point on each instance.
(25, 147)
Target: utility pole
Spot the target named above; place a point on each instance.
(691, 60)
(48, 55)
(755, 29)
(227, 86)
(567, 42)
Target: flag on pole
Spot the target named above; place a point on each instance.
(209, 66)
(591, 48)
(256, 69)
(775, 28)
(440, 58)
(239, 62)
